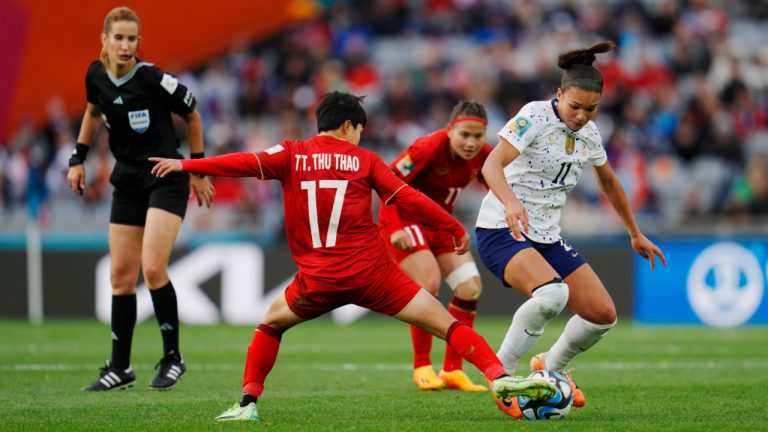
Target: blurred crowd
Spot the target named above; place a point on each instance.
(684, 115)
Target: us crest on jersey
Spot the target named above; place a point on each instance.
(570, 144)
(139, 120)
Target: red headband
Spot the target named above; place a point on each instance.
(477, 119)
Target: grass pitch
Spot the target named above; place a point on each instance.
(358, 377)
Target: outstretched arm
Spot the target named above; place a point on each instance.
(611, 187)
(229, 165)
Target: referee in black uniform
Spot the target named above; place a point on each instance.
(134, 100)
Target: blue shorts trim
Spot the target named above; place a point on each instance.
(497, 246)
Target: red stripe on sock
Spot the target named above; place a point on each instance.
(277, 334)
(467, 305)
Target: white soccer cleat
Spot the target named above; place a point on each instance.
(237, 412)
(508, 386)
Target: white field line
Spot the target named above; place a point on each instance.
(352, 367)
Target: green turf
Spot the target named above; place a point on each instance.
(358, 377)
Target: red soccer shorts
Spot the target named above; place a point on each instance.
(439, 242)
(384, 290)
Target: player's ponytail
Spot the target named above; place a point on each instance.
(578, 70)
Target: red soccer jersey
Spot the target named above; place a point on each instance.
(327, 184)
(429, 166)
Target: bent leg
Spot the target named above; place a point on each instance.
(423, 269)
(595, 316)
(548, 299)
(462, 276)
(265, 344)
(427, 313)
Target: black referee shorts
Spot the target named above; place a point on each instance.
(137, 189)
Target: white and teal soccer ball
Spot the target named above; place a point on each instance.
(556, 407)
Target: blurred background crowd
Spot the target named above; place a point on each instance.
(684, 115)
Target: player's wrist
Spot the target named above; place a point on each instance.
(197, 155)
(79, 154)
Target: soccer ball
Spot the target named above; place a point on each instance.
(556, 407)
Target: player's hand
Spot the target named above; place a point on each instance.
(648, 250)
(76, 178)
(402, 240)
(517, 218)
(461, 245)
(164, 166)
(202, 189)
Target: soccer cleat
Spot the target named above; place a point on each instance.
(508, 386)
(237, 412)
(458, 380)
(537, 362)
(425, 378)
(506, 389)
(111, 378)
(509, 406)
(169, 370)
(579, 400)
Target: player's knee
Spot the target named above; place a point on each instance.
(155, 276)
(553, 297)
(123, 282)
(470, 290)
(430, 281)
(603, 315)
(465, 281)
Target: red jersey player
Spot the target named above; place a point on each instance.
(440, 165)
(327, 187)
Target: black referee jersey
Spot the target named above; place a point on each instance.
(137, 110)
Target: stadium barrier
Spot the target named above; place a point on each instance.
(230, 282)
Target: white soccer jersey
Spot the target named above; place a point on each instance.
(552, 158)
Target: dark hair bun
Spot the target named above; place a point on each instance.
(583, 56)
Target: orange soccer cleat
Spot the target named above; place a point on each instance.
(579, 400)
(458, 380)
(506, 389)
(425, 378)
(508, 406)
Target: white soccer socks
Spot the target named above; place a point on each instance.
(579, 335)
(528, 322)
